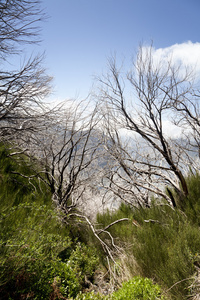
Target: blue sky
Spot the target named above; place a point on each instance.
(80, 35)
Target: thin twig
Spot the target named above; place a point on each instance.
(178, 283)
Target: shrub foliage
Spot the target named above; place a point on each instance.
(43, 258)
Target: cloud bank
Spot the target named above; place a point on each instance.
(186, 54)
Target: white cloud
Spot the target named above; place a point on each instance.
(186, 54)
(171, 130)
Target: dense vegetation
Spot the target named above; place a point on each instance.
(42, 257)
(39, 260)
(162, 243)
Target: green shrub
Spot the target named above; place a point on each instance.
(28, 253)
(90, 296)
(138, 288)
(134, 289)
(84, 261)
(38, 259)
(31, 256)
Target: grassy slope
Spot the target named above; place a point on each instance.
(41, 259)
(165, 243)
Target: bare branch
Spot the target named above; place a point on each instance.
(150, 160)
(113, 223)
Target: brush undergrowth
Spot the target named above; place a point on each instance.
(165, 242)
(43, 258)
(138, 288)
(39, 259)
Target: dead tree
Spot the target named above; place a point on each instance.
(68, 150)
(187, 112)
(151, 160)
(21, 99)
(23, 89)
(19, 24)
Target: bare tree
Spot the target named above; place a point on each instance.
(188, 117)
(153, 160)
(21, 95)
(19, 24)
(68, 151)
(21, 91)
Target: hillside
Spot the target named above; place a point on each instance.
(45, 255)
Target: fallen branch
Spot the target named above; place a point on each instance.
(104, 245)
(177, 283)
(113, 223)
